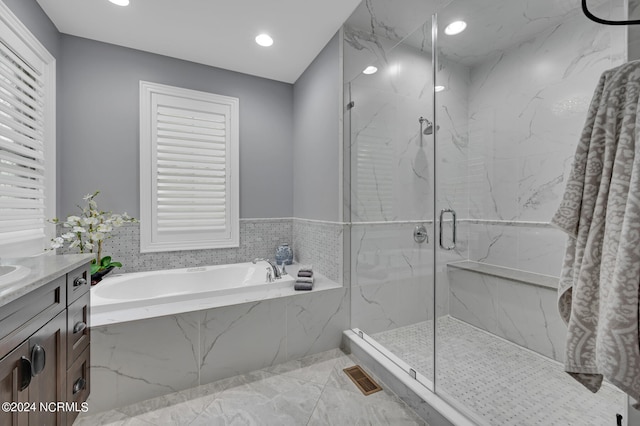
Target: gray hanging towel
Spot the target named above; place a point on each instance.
(600, 211)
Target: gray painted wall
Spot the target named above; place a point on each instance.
(316, 96)
(100, 128)
(34, 18)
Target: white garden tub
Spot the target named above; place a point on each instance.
(140, 295)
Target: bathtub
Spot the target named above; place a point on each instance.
(140, 295)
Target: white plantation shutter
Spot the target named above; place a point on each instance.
(27, 141)
(189, 168)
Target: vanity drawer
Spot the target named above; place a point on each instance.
(78, 330)
(78, 283)
(24, 316)
(78, 381)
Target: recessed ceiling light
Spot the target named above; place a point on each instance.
(455, 27)
(370, 70)
(120, 2)
(264, 40)
(439, 88)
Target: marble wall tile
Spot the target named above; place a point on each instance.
(522, 313)
(386, 306)
(315, 322)
(496, 244)
(139, 360)
(545, 85)
(241, 338)
(376, 26)
(474, 299)
(529, 317)
(541, 250)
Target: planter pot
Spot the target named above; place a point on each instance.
(97, 277)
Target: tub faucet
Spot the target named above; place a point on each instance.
(276, 271)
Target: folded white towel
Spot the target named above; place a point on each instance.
(305, 280)
(305, 273)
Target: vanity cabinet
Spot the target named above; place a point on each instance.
(44, 352)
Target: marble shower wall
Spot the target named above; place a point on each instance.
(391, 167)
(391, 277)
(138, 360)
(527, 106)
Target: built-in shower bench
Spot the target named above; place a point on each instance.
(517, 275)
(519, 306)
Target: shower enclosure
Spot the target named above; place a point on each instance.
(456, 150)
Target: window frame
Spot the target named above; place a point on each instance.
(150, 241)
(18, 38)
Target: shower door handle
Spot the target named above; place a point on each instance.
(453, 215)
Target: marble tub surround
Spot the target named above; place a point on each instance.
(42, 270)
(104, 315)
(138, 360)
(312, 390)
(523, 313)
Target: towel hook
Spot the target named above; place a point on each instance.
(594, 18)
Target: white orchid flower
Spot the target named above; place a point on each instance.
(104, 227)
(96, 236)
(57, 242)
(68, 236)
(79, 229)
(90, 221)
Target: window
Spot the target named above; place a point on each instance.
(188, 169)
(27, 139)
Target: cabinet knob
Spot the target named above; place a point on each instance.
(25, 373)
(79, 281)
(38, 359)
(79, 385)
(79, 327)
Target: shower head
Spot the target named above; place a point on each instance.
(428, 126)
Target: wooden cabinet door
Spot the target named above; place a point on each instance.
(48, 355)
(14, 368)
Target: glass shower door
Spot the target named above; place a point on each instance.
(512, 94)
(389, 98)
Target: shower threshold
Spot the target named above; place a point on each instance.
(488, 379)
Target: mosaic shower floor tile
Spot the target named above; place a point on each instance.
(500, 381)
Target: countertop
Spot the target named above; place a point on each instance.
(44, 269)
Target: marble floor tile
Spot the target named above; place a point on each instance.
(109, 418)
(314, 368)
(271, 400)
(311, 390)
(342, 407)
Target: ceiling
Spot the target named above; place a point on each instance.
(219, 33)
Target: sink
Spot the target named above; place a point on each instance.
(10, 274)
